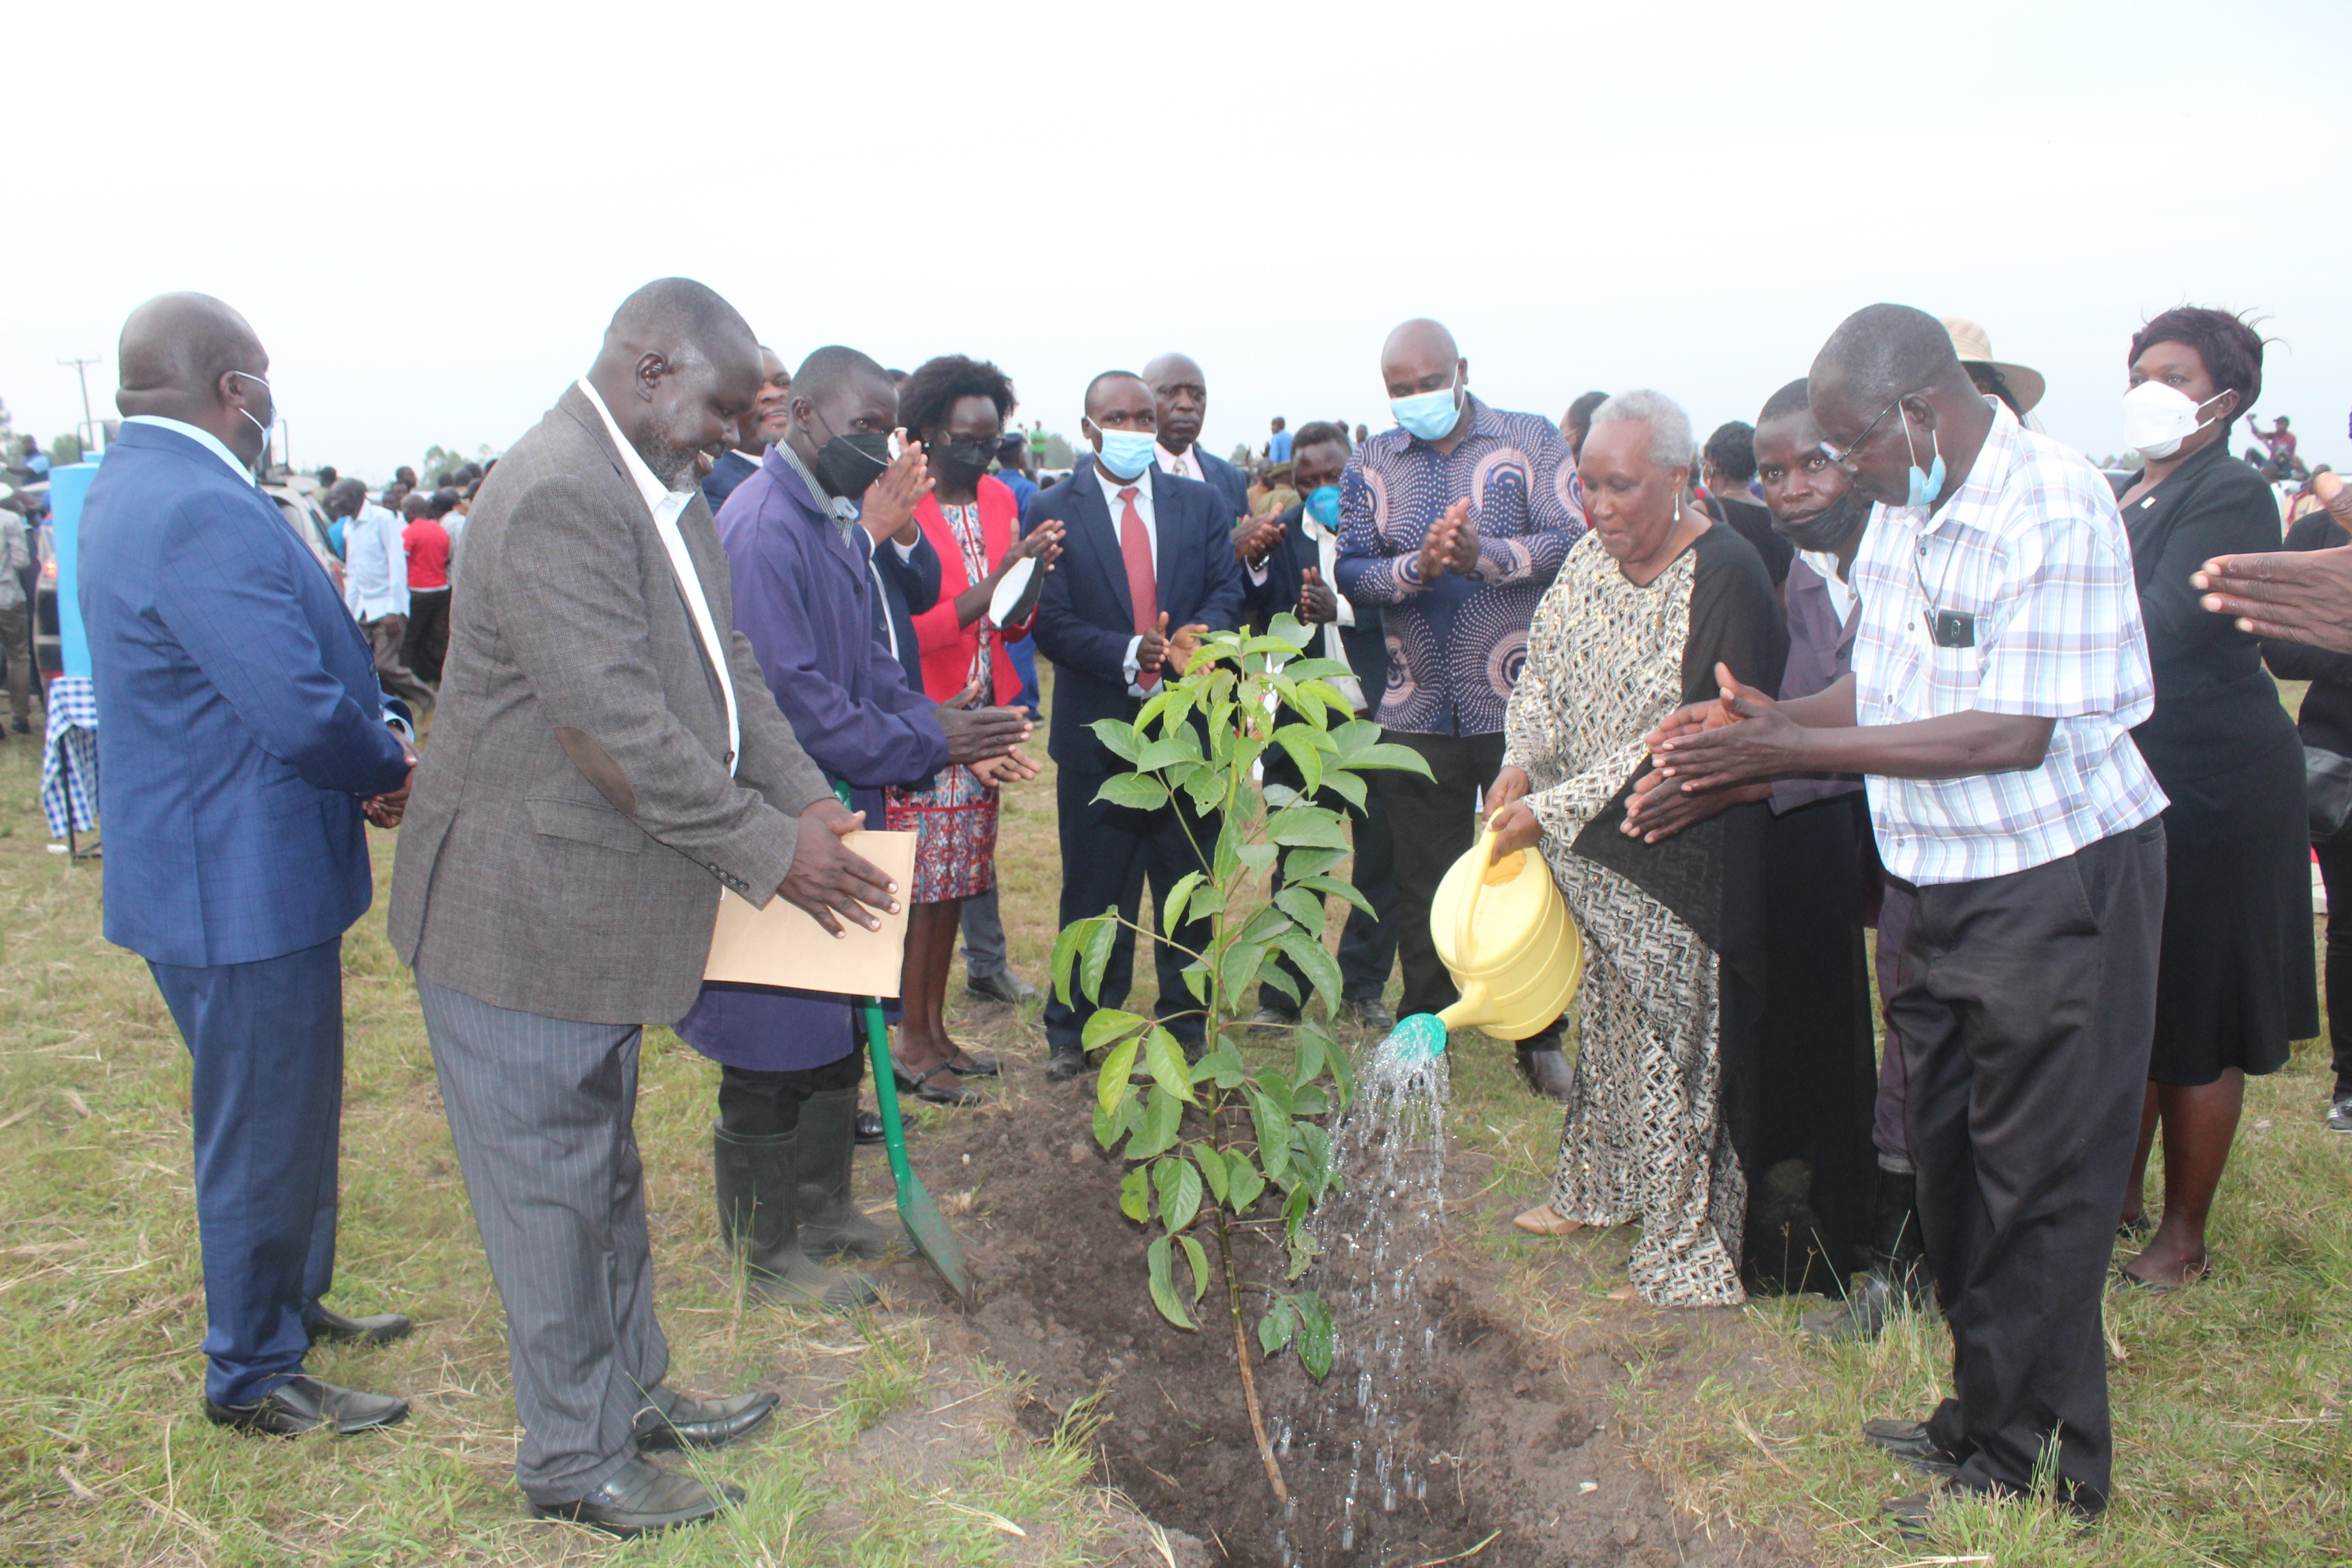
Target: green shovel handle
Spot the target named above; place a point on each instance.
(886, 1080)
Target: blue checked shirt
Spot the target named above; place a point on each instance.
(2032, 545)
(1455, 646)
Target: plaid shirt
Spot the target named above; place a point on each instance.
(1455, 646)
(2032, 545)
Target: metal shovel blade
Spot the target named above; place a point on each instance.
(926, 1226)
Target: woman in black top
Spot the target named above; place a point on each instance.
(2328, 723)
(2234, 981)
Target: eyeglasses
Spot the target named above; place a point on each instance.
(1843, 458)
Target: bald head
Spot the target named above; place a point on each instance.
(1891, 400)
(1419, 358)
(1882, 352)
(1420, 337)
(190, 357)
(1179, 395)
(679, 371)
(345, 497)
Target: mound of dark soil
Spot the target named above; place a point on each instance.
(1520, 1448)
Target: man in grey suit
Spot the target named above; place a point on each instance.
(606, 757)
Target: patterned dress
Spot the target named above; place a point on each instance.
(954, 820)
(1647, 1140)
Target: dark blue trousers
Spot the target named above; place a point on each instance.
(267, 1096)
(1108, 852)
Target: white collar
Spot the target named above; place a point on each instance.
(204, 438)
(1168, 460)
(652, 488)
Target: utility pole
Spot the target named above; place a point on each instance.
(88, 424)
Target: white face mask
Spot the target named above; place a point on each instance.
(2158, 419)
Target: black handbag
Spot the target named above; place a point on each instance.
(2327, 791)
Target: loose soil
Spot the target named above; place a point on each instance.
(1524, 1443)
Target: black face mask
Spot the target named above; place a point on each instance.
(1825, 532)
(963, 463)
(852, 460)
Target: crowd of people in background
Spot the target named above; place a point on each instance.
(1888, 658)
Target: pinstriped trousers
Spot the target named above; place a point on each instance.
(541, 1110)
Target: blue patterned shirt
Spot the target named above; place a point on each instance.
(1455, 646)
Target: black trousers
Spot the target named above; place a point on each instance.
(427, 643)
(2027, 1006)
(1108, 852)
(2336, 874)
(1368, 945)
(1434, 821)
(756, 1104)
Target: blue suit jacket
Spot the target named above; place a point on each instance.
(1085, 617)
(1230, 483)
(731, 470)
(239, 721)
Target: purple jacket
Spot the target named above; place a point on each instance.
(1821, 652)
(804, 598)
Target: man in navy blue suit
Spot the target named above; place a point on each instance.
(242, 735)
(762, 430)
(1179, 403)
(1142, 550)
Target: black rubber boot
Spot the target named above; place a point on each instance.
(759, 1219)
(1898, 1278)
(831, 1221)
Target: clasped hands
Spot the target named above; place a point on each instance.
(1158, 648)
(1704, 760)
(1451, 545)
(386, 810)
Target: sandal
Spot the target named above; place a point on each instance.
(920, 1085)
(1543, 1220)
(966, 1065)
(2139, 1227)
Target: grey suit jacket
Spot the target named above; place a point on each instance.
(574, 819)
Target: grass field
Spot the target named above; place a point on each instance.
(2230, 1396)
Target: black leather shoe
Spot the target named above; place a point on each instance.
(702, 1423)
(1909, 1442)
(1001, 986)
(1547, 1071)
(1063, 1066)
(1369, 1013)
(332, 1328)
(303, 1404)
(869, 1128)
(643, 1500)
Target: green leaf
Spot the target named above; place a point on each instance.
(1301, 905)
(1196, 980)
(1199, 1260)
(1184, 746)
(1105, 1024)
(1179, 1184)
(1156, 1129)
(1182, 698)
(1274, 974)
(1339, 887)
(1343, 1069)
(1315, 1336)
(1165, 1058)
(1116, 1123)
(1206, 903)
(1172, 913)
(1224, 1064)
(1314, 961)
(1390, 756)
(1308, 1049)
(1317, 669)
(1346, 786)
(1240, 966)
(1207, 788)
(1294, 740)
(1065, 953)
(1272, 644)
(1306, 824)
(1311, 1154)
(1111, 1083)
(1140, 791)
(1301, 864)
(1094, 953)
(1278, 1326)
(1267, 924)
(1258, 858)
(1119, 737)
(1288, 630)
(1243, 1183)
(1310, 1100)
(1213, 1168)
(1154, 706)
(1273, 1129)
(1355, 735)
(1158, 1262)
(1134, 1201)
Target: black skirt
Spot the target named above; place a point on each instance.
(2236, 982)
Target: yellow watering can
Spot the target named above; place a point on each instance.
(1507, 940)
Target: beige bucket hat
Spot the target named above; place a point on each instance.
(1971, 344)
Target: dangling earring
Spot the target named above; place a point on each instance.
(1678, 506)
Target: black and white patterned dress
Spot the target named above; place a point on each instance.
(1672, 932)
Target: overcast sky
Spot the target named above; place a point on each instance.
(428, 212)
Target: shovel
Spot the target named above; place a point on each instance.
(926, 1226)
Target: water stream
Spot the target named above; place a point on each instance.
(1349, 1444)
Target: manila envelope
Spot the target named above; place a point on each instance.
(780, 945)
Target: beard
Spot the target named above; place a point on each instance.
(1823, 532)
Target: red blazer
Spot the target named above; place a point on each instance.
(947, 648)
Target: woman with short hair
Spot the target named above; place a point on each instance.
(2234, 979)
(1646, 606)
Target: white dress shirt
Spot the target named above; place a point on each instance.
(1142, 485)
(1185, 465)
(204, 438)
(375, 565)
(1825, 562)
(668, 505)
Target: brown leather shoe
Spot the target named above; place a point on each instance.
(1547, 1071)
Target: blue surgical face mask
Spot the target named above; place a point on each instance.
(1323, 505)
(1125, 453)
(1926, 487)
(1431, 415)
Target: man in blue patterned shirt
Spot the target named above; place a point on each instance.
(1455, 524)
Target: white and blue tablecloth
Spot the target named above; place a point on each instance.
(69, 755)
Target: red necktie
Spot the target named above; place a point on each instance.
(1135, 546)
